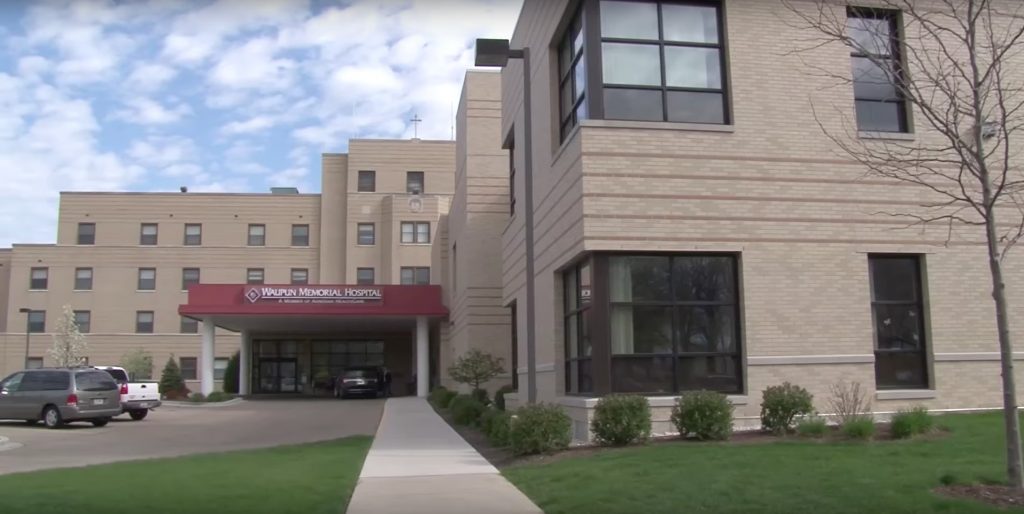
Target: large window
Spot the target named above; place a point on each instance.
(367, 181)
(257, 235)
(39, 279)
(572, 75)
(143, 322)
(415, 276)
(416, 232)
(577, 287)
(654, 324)
(875, 56)
(897, 308)
(148, 233)
(84, 321)
(663, 61)
(147, 279)
(83, 279)
(414, 182)
(86, 234)
(367, 234)
(300, 235)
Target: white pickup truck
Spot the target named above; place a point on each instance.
(136, 397)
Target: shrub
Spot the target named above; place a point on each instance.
(781, 404)
(481, 396)
(862, 427)
(499, 396)
(705, 414)
(172, 386)
(621, 419)
(812, 426)
(218, 396)
(539, 428)
(475, 367)
(466, 410)
(496, 425)
(911, 422)
(138, 363)
(441, 397)
(848, 402)
(197, 397)
(231, 374)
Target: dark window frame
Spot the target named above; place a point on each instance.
(514, 361)
(410, 183)
(188, 325)
(895, 58)
(193, 239)
(85, 327)
(576, 314)
(186, 281)
(256, 239)
(249, 272)
(145, 327)
(85, 238)
(300, 239)
(359, 233)
(416, 225)
(149, 239)
(218, 372)
(305, 274)
(38, 284)
(371, 281)
(190, 372)
(569, 116)
(83, 284)
(416, 275)
(366, 181)
(143, 282)
(922, 326)
(37, 326)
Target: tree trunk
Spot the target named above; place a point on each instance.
(1011, 418)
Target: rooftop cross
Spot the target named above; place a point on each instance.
(415, 125)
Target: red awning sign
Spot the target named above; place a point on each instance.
(313, 294)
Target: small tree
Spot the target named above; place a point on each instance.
(69, 346)
(475, 367)
(171, 383)
(231, 375)
(138, 363)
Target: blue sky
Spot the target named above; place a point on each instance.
(217, 95)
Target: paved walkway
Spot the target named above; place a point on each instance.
(419, 464)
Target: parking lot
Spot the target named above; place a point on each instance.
(175, 431)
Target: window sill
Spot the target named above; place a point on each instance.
(894, 136)
(660, 125)
(145, 290)
(414, 244)
(905, 394)
(38, 290)
(365, 246)
(81, 290)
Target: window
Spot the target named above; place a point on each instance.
(84, 321)
(578, 348)
(189, 366)
(511, 177)
(572, 79)
(49, 380)
(414, 182)
(143, 322)
(83, 279)
(147, 279)
(367, 181)
(416, 232)
(36, 322)
(300, 235)
(39, 279)
(148, 234)
(257, 235)
(415, 275)
(220, 364)
(254, 276)
(877, 70)
(189, 276)
(897, 309)
(193, 234)
(34, 362)
(515, 345)
(300, 276)
(662, 61)
(189, 326)
(364, 276)
(86, 234)
(367, 234)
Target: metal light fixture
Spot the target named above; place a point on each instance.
(496, 53)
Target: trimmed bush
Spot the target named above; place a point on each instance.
(441, 397)
(466, 410)
(481, 396)
(812, 426)
(496, 424)
(197, 397)
(621, 419)
(706, 415)
(781, 404)
(860, 427)
(218, 396)
(539, 428)
(910, 422)
(499, 396)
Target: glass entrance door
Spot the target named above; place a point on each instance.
(278, 376)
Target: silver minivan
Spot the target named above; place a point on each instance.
(58, 396)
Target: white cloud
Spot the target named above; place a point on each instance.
(253, 65)
(146, 111)
(163, 151)
(250, 125)
(148, 76)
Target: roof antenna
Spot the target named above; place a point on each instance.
(415, 126)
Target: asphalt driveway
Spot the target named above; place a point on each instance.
(175, 431)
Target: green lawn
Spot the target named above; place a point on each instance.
(311, 479)
(785, 477)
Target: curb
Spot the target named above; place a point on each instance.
(209, 405)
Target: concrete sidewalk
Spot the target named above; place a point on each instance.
(417, 463)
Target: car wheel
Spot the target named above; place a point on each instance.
(52, 417)
(100, 422)
(138, 415)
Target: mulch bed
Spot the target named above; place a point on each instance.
(997, 495)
